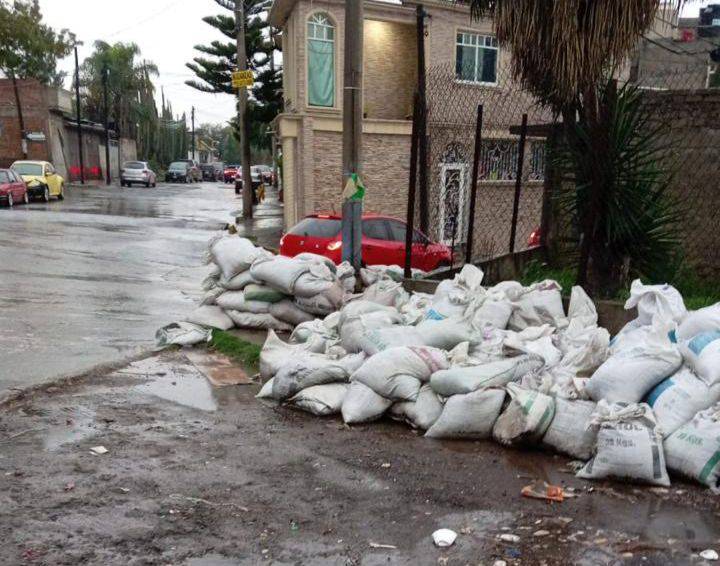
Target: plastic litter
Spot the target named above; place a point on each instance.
(444, 537)
(709, 554)
(99, 450)
(543, 490)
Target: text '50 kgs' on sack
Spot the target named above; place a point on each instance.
(629, 445)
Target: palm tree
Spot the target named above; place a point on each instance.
(566, 52)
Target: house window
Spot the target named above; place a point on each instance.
(476, 58)
(321, 61)
(499, 160)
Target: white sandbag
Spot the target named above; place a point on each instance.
(275, 353)
(526, 418)
(210, 316)
(443, 334)
(452, 297)
(316, 258)
(492, 312)
(471, 415)
(210, 296)
(421, 413)
(697, 322)
(663, 301)
(386, 292)
(263, 294)
(414, 311)
(266, 391)
(459, 380)
(321, 400)
(237, 283)
(359, 307)
(362, 404)
(280, 272)
(630, 374)
(693, 450)
(233, 254)
(289, 312)
(629, 445)
(569, 432)
(320, 280)
(539, 304)
(702, 355)
(518, 342)
(584, 349)
(581, 308)
(679, 398)
(235, 300)
(354, 328)
(212, 278)
(258, 321)
(397, 373)
(325, 302)
(315, 333)
(182, 334)
(346, 274)
(374, 273)
(313, 369)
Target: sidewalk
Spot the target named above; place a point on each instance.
(199, 475)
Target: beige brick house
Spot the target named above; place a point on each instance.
(310, 127)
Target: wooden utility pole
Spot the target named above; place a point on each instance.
(79, 123)
(192, 121)
(422, 131)
(352, 132)
(243, 123)
(107, 125)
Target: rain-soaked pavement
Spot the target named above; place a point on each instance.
(87, 281)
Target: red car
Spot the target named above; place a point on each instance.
(229, 173)
(534, 238)
(383, 241)
(12, 188)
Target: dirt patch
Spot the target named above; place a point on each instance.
(210, 476)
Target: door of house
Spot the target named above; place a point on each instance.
(453, 202)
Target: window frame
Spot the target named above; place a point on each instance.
(478, 48)
(334, 27)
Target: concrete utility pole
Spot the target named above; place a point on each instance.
(192, 121)
(79, 124)
(243, 123)
(21, 120)
(352, 132)
(106, 71)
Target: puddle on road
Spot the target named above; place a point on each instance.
(75, 425)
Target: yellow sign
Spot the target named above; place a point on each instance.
(241, 79)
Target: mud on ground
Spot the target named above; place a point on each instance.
(204, 476)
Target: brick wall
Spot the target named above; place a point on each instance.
(35, 113)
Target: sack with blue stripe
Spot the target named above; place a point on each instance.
(702, 355)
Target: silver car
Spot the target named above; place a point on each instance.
(137, 172)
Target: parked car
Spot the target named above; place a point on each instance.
(266, 174)
(255, 179)
(219, 167)
(137, 172)
(534, 238)
(195, 173)
(12, 188)
(229, 173)
(179, 172)
(383, 241)
(41, 179)
(207, 170)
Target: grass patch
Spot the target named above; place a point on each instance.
(539, 271)
(236, 349)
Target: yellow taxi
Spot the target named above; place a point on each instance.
(41, 178)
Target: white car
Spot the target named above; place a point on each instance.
(137, 172)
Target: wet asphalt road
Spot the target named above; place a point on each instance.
(89, 280)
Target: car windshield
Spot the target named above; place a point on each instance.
(28, 168)
(178, 166)
(134, 165)
(317, 227)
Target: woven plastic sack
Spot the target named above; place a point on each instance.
(233, 255)
(471, 415)
(696, 322)
(421, 413)
(321, 400)
(235, 300)
(526, 418)
(258, 321)
(362, 404)
(289, 312)
(569, 432)
(210, 316)
(702, 355)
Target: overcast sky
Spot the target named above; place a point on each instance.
(166, 31)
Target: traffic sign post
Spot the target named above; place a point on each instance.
(242, 79)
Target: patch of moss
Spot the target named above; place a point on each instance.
(235, 348)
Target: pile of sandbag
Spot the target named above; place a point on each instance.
(508, 363)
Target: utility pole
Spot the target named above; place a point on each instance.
(21, 119)
(352, 134)
(79, 123)
(243, 123)
(106, 71)
(422, 131)
(192, 121)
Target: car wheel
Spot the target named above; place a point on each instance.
(46, 195)
(61, 196)
(26, 198)
(154, 184)
(10, 201)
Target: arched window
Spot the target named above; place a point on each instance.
(321, 60)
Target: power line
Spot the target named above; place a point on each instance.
(145, 20)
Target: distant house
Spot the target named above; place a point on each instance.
(310, 127)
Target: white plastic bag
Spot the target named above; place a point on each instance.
(696, 322)
(539, 304)
(321, 400)
(679, 398)
(569, 432)
(471, 415)
(397, 373)
(210, 316)
(422, 412)
(362, 404)
(630, 374)
(629, 445)
(526, 418)
(694, 449)
(702, 355)
(458, 380)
